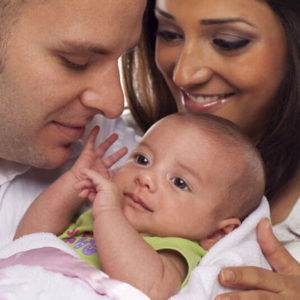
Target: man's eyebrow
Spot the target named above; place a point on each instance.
(82, 47)
(224, 21)
(164, 14)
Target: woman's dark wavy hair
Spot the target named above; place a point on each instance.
(150, 99)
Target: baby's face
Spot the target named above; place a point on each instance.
(173, 181)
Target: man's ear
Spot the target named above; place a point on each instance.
(223, 228)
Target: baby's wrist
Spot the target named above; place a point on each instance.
(106, 210)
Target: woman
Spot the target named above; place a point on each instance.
(240, 60)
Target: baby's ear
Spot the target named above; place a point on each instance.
(223, 228)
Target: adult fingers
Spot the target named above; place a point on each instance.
(284, 283)
(249, 295)
(278, 257)
(251, 278)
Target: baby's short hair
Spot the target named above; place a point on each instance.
(246, 190)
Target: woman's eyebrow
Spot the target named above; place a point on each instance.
(164, 14)
(208, 21)
(224, 21)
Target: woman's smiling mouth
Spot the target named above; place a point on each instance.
(204, 103)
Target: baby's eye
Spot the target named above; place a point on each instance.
(141, 160)
(228, 45)
(180, 183)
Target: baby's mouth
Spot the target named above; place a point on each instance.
(137, 201)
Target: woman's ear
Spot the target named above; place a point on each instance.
(223, 228)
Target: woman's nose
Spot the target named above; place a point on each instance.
(192, 67)
(104, 92)
(145, 180)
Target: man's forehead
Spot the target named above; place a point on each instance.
(97, 26)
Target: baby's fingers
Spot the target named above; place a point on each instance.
(90, 142)
(104, 146)
(84, 194)
(92, 196)
(113, 158)
(87, 193)
(83, 184)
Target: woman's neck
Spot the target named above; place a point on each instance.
(284, 200)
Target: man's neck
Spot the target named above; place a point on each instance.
(10, 169)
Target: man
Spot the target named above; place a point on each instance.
(58, 69)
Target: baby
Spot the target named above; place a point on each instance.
(190, 181)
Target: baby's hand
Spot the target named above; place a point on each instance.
(92, 158)
(104, 194)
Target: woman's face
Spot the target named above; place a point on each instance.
(227, 58)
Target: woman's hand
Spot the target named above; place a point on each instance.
(283, 283)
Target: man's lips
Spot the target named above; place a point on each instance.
(71, 132)
(136, 201)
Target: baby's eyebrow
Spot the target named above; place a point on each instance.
(143, 144)
(143, 147)
(190, 170)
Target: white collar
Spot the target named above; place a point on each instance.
(10, 169)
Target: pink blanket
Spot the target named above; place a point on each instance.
(69, 278)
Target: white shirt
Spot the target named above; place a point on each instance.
(20, 185)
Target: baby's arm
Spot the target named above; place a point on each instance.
(123, 253)
(53, 210)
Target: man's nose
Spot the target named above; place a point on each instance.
(104, 92)
(192, 67)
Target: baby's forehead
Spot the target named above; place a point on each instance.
(198, 133)
(179, 125)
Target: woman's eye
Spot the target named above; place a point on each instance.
(141, 160)
(231, 45)
(180, 183)
(74, 66)
(169, 36)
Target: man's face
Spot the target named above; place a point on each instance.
(60, 69)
